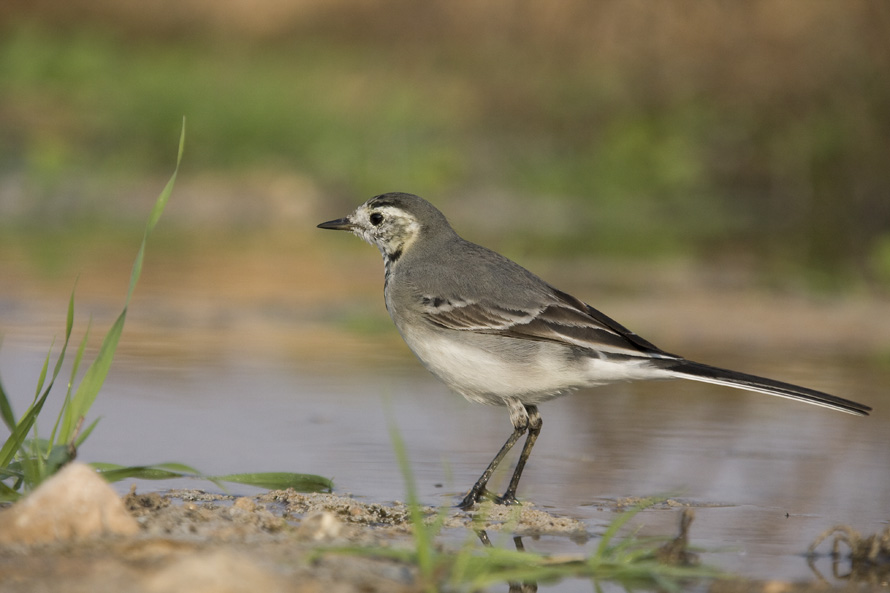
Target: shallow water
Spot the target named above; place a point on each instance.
(768, 475)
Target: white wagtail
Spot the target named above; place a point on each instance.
(497, 334)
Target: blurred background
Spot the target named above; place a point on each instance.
(714, 175)
(678, 162)
(754, 135)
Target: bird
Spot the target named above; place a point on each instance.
(497, 334)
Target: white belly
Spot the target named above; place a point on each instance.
(487, 369)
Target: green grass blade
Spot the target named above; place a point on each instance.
(84, 434)
(163, 471)
(7, 493)
(14, 470)
(424, 534)
(404, 464)
(32, 468)
(57, 457)
(281, 481)
(116, 473)
(74, 407)
(69, 325)
(69, 317)
(6, 409)
(159, 471)
(89, 387)
(18, 435)
(181, 468)
(155, 215)
(41, 379)
(93, 380)
(63, 415)
(168, 189)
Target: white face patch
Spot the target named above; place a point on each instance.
(395, 230)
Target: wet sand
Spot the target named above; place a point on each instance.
(283, 541)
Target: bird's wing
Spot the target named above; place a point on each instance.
(562, 319)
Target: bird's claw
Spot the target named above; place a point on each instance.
(506, 499)
(480, 495)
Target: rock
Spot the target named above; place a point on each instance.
(76, 503)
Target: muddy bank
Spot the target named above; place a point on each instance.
(280, 541)
(193, 541)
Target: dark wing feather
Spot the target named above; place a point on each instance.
(565, 320)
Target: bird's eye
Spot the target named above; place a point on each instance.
(376, 218)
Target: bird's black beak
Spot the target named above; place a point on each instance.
(341, 224)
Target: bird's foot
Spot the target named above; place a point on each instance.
(473, 496)
(481, 494)
(507, 499)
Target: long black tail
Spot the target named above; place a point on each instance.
(686, 369)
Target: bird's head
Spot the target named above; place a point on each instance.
(393, 222)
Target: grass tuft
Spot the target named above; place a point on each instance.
(26, 462)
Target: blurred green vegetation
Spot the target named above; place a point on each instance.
(749, 131)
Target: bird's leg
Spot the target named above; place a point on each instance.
(534, 429)
(520, 419)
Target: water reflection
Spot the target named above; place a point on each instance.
(514, 586)
(853, 557)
